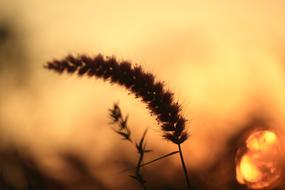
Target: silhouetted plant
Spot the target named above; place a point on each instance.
(117, 117)
(124, 131)
(141, 149)
(159, 100)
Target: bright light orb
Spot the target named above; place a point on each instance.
(257, 162)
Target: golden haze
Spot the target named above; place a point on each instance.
(224, 60)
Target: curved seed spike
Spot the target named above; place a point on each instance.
(142, 84)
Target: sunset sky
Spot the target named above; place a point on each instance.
(224, 61)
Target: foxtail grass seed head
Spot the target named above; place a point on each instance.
(143, 85)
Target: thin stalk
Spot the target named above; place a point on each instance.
(184, 167)
(138, 173)
(150, 162)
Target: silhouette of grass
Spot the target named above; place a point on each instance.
(125, 132)
(159, 101)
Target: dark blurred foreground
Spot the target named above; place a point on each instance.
(20, 172)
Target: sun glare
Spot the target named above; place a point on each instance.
(258, 161)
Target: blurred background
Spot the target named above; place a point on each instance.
(224, 60)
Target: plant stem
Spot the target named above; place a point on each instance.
(184, 167)
(150, 162)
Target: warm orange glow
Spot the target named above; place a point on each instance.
(261, 141)
(224, 61)
(257, 166)
(248, 171)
